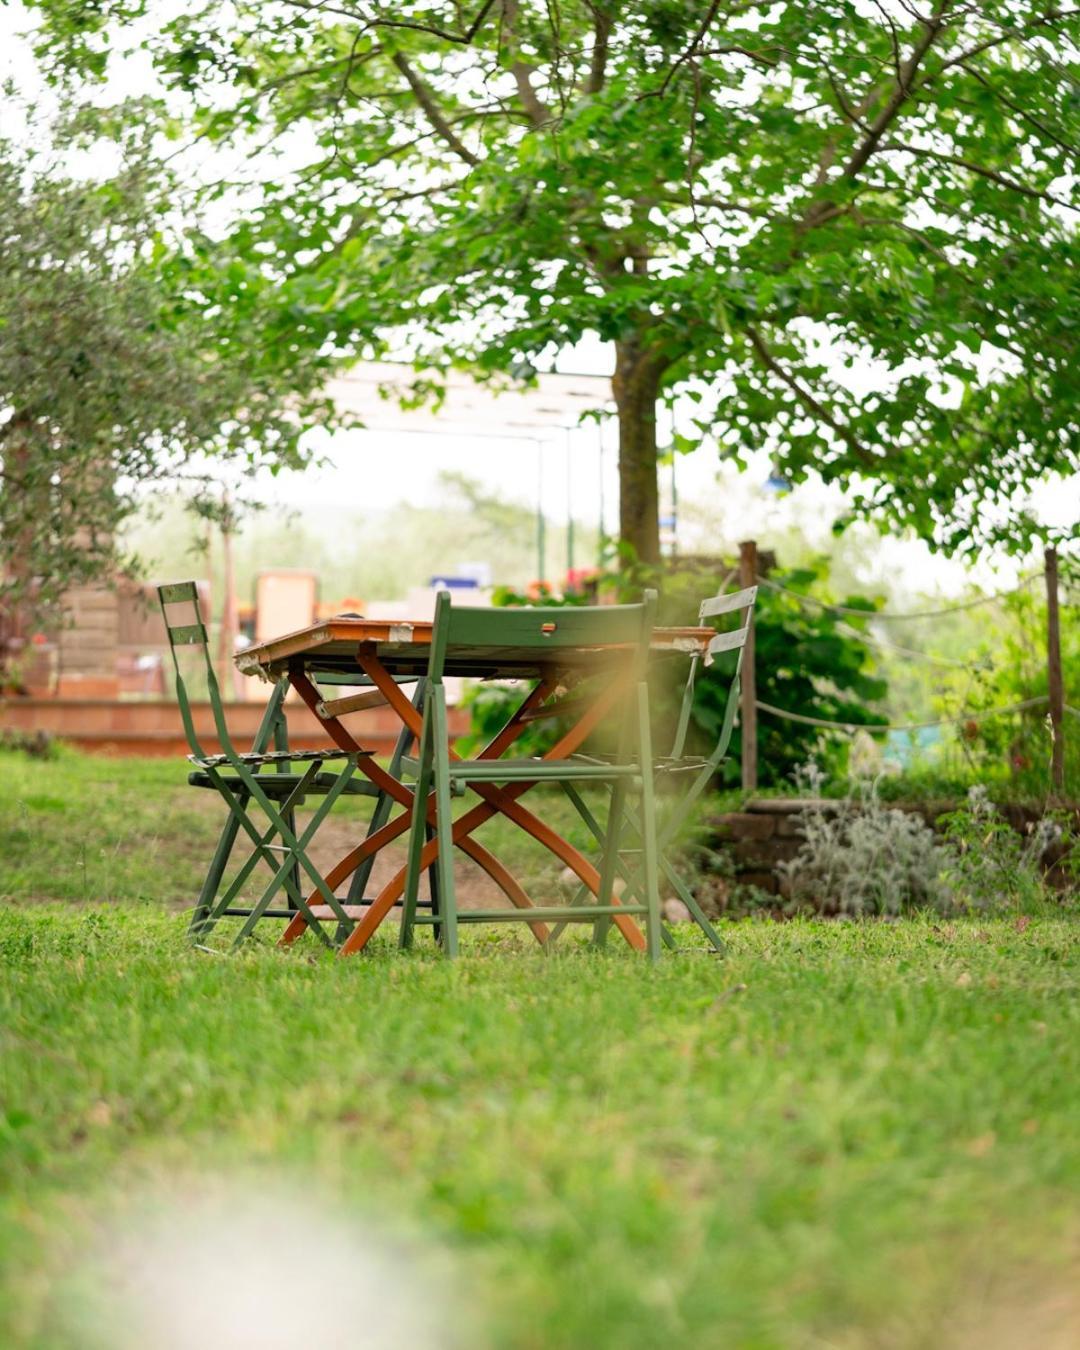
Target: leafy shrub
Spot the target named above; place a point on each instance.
(492, 702)
(1013, 752)
(992, 866)
(808, 662)
(710, 871)
(491, 705)
(36, 744)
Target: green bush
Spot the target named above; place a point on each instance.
(1016, 750)
(807, 662)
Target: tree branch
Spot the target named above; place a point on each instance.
(932, 28)
(448, 35)
(759, 57)
(808, 401)
(695, 42)
(1047, 19)
(726, 204)
(1019, 109)
(426, 100)
(1037, 194)
(536, 109)
(603, 22)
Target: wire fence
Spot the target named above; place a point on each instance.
(975, 715)
(812, 600)
(979, 715)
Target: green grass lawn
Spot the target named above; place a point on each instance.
(841, 1135)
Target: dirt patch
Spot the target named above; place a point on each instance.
(342, 832)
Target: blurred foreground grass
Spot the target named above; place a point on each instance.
(842, 1135)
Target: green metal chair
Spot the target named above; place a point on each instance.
(240, 779)
(677, 768)
(537, 630)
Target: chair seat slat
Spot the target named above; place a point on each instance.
(188, 635)
(274, 757)
(174, 592)
(528, 770)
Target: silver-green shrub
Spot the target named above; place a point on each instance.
(861, 857)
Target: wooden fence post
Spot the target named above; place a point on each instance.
(1055, 682)
(229, 678)
(748, 568)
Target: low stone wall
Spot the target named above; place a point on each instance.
(765, 832)
(153, 727)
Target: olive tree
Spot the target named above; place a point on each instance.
(123, 368)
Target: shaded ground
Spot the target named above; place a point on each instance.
(92, 829)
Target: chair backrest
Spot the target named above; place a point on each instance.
(540, 627)
(730, 640)
(191, 632)
(716, 605)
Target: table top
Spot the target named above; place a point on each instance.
(402, 647)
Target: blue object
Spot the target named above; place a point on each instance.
(445, 583)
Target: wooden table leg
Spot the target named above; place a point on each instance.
(397, 790)
(496, 801)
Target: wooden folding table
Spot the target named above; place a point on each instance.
(383, 655)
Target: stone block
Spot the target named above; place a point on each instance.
(88, 602)
(88, 686)
(743, 825)
(782, 806)
(753, 852)
(764, 881)
(764, 853)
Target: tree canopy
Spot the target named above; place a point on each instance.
(845, 227)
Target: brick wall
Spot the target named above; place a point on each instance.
(87, 644)
(114, 727)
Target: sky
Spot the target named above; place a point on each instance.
(398, 459)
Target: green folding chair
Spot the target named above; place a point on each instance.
(241, 780)
(684, 776)
(537, 630)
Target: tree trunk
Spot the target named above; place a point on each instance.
(635, 386)
(16, 567)
(1055, 684)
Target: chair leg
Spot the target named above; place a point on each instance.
(698, 914)
(260, 852)
(383, 804)
(199, 925)
(444, 821)
(296, 850)
(272, 724)
(417, 836)
(648, 827)
(433, 891)
(281, 742)
(609, 860)
(293, 848)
